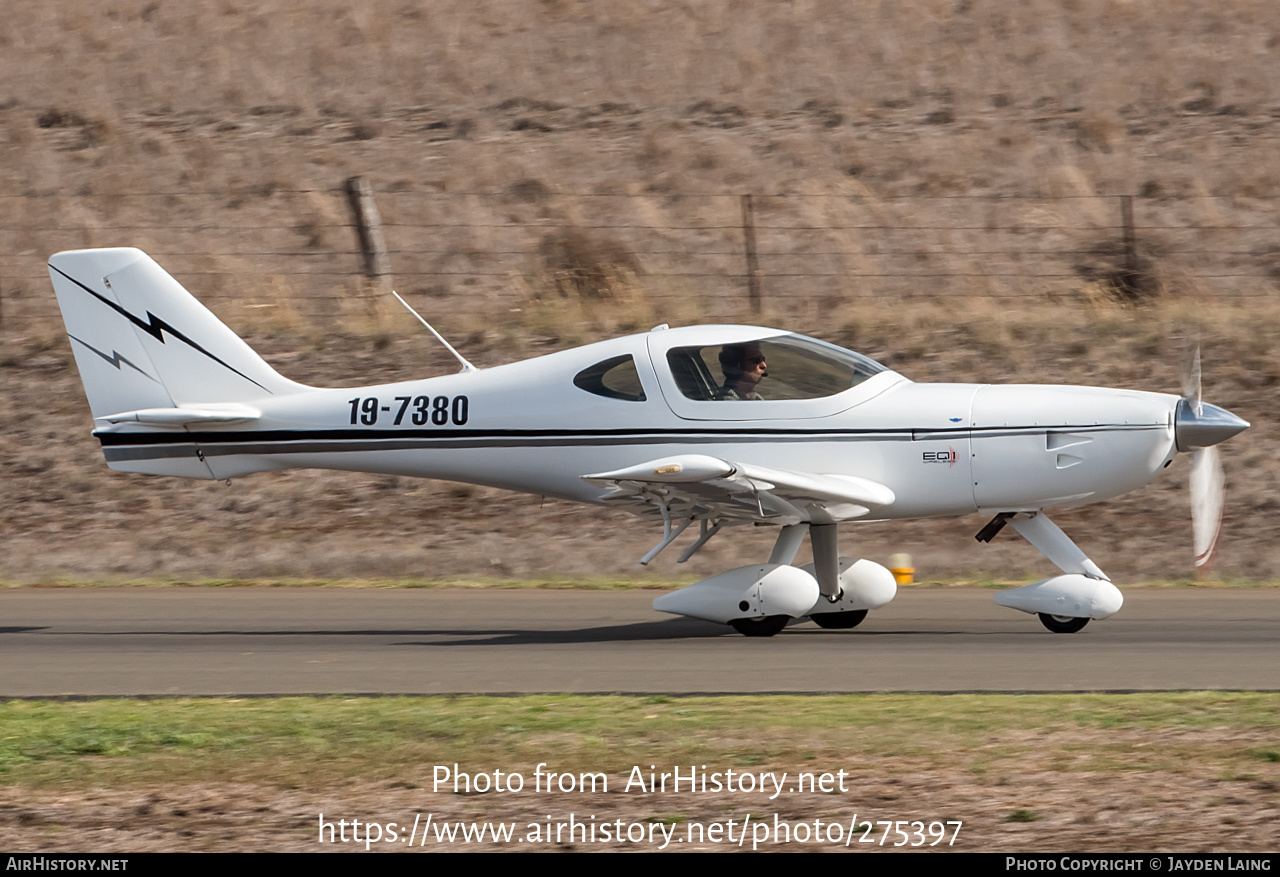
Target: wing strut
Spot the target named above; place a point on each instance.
(707, 533)
(669, 533)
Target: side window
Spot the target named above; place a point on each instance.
(785, 367)
(615, 378)
(692, 375)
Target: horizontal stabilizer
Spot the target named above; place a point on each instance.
(183, 416)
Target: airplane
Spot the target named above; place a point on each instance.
(719, 426)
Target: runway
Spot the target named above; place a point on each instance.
(250, 641)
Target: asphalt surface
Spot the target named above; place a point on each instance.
(246, 641)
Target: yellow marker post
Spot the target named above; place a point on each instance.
(900, 565)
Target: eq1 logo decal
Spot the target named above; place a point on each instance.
(948, 456)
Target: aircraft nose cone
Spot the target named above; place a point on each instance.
(1207, 427)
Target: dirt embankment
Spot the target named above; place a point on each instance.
(206, 132)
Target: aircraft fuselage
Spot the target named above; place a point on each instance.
(945, 449)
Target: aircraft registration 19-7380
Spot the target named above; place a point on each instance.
(717, 426)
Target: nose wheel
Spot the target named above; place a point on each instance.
(1062, 623)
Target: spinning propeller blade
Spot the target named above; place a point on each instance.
(1191, 382)
(1207, 494)
(1199, 428)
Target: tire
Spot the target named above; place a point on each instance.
(769, 625)
(840, 620)
(1062, 623)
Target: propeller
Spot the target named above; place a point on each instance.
(1208, 493)
(1198, 428)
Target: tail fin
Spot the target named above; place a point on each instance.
(152, 357)
(142, 341)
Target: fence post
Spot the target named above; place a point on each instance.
(1130, 239)
(753, 265)
(368, 224)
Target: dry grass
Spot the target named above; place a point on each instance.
(858, 115)
(1173, 772)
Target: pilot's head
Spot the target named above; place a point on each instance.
(743, 363)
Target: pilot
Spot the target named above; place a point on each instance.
(744, 367)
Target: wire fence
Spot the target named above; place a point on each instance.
(489, 252)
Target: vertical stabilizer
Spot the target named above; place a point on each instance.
(153, 360)
(142, 341)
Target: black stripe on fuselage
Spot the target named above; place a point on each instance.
(157, 445)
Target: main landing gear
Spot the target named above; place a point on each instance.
(771, 625)
(846, 588)
(768, 625)
(840, 620)
(759, 600)
(1062, 623)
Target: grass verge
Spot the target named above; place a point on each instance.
(315, 743)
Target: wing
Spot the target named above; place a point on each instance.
(701, 487)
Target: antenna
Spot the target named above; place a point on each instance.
(466, 366)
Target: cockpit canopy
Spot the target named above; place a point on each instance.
(699, 371)
(797, 367)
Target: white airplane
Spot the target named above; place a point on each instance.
(714, 425)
